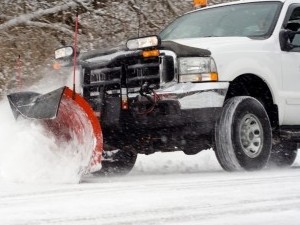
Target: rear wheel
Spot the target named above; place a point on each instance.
(283, 154)
(243, 136)
(116, 162)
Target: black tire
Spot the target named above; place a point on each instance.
(118, 162)
(283, 154)
(243, 135)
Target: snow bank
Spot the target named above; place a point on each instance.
(176, 162)
(179, 163)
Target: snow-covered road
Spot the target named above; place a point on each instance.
(167, 188)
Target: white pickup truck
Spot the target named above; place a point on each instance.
(225, 76)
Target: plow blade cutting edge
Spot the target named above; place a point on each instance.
(64, 114)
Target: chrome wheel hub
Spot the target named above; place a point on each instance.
(251, 135)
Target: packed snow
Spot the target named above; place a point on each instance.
(164, 188)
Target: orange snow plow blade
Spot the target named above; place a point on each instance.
(65, 114)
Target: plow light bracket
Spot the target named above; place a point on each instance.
(147, 42)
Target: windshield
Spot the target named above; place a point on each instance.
(242, 20)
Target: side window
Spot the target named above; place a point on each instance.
(294, 25)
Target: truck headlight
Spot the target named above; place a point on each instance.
(196, 69)
(143, 43)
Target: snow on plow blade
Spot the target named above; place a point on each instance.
(63, 113)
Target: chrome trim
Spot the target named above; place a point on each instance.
(196, 95)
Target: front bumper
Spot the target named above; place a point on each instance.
(180, 105)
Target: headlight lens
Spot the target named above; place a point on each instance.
(196, 69)
(143, 42)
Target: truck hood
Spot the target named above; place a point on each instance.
(217, 44)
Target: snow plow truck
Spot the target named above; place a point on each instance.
(224, 77)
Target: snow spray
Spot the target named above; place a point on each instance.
(29, 154)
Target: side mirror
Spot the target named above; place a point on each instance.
(143, 43)
(286, 39)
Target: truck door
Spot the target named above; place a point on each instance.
(291, 69)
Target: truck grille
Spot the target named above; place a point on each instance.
(137, 73)
(131, 72)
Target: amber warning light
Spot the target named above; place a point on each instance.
(200, 3)
(151, 53)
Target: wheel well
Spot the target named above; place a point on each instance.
(254, 86)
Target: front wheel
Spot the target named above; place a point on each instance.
(243, 135)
